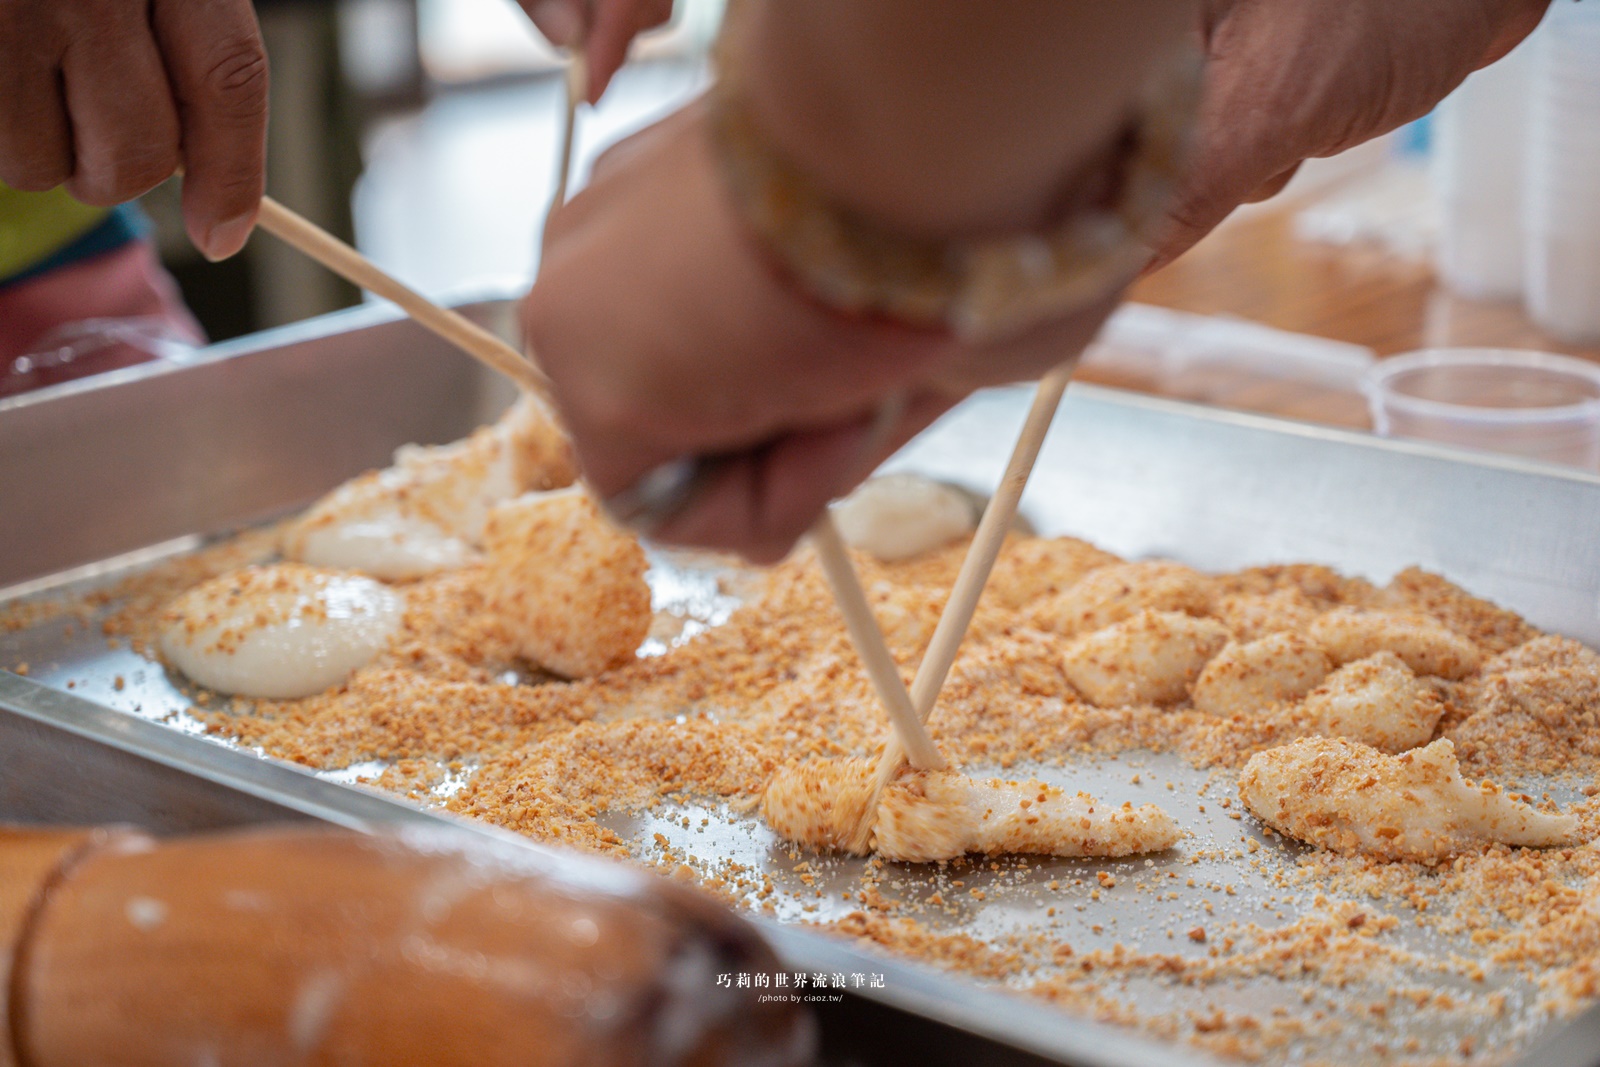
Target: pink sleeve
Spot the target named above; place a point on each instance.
(53, 328)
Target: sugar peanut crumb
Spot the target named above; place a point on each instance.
(712, 718)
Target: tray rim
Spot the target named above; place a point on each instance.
(1316, 431)
(467, 300)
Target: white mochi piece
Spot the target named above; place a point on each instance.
(279, 632)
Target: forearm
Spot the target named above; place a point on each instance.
(947, 117)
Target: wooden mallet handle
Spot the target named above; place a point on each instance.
(294, 946)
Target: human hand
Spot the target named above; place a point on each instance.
(1289, 80)
(110, 98)
(667, 334)
(604, 27)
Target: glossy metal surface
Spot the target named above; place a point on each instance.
(252, 427)
(1221, 490)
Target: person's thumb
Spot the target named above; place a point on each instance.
(563, 22)
(218, 69)
(1229, 165)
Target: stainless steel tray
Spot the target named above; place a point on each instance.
(1140, 477)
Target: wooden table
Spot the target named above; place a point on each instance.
(1254, 267)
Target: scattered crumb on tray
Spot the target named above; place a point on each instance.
(1250, 947)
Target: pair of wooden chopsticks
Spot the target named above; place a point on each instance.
(908, 710)
(963, 601)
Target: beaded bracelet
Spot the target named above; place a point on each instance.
(980, 290)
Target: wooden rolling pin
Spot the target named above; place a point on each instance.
(312, 946)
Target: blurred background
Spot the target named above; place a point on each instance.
(424, 131)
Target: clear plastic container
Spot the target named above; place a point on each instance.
(1531, 404)
(93, 346)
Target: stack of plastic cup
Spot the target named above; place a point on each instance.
(1480, 132)
(1562, 222)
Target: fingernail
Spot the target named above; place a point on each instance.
(226, 238)
(559, 21)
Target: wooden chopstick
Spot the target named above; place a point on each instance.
(985, 547)
(576, 86)
(970, 582)
(865, 633)
(306, 236)
(867, 636)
